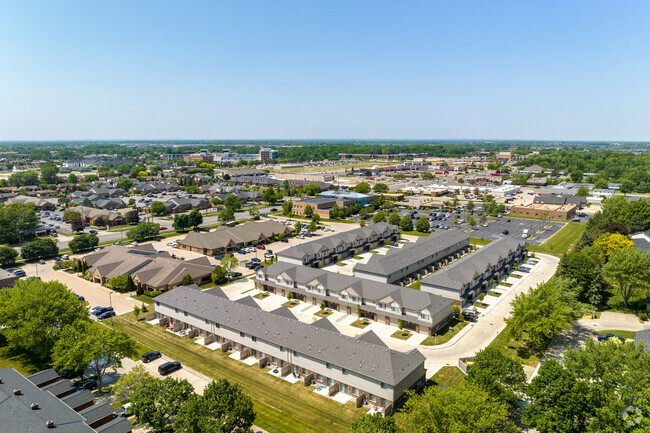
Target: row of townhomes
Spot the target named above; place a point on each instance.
(415, 259)
(232, 238)
(362, 367)
(45, 401)
(464, 279)
(320, 252)
(153, 270)
(386, 303)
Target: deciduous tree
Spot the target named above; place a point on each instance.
(406, 223)
(630, 268)
(156, 402)
(375, 424)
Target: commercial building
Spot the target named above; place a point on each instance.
(415, 259)
(563, 212)
(464, 279)
(346, 196)
(100, 216)
(153, 270)
(362, 367)
(203, 155)
(268, 154)
(311, 177)
(323, 251)
(232, 238)
(39, 203)
(45, 401)
(181, 204)
(569, 199)
(504, 190)
(321, 206)
(7, 279)
(386, 303)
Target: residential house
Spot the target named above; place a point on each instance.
(181, 204)
(362, 368)
(464, 279)
(97, 201)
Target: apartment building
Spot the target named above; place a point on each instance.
(464, 279)
(323, 251)
(415, 259)
(362, 367)
(386, 303)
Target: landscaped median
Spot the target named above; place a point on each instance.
(281, 407)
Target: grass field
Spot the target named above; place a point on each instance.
(479, 241)
(401, 335)
(448, 376)
(413, 233)
(517, 350)
(445, 334)
(628, 335)
(561, 241)
(281, 407)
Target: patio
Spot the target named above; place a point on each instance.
(212, 346)
(289, 377)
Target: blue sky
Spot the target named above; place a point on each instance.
(572, 70)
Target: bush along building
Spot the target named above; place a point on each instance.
(320, 252)
(464, 279)
(415, 259)
(386, 303)
(362, 367)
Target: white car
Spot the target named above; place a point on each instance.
(134, 243)
(171, 244)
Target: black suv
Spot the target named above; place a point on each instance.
(169, 367)
(150, 356)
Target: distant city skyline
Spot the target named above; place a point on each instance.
(156, 70)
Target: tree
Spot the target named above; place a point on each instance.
(187, 280)
(362, 188)
(287, 208)
(91, 178)
(612, 242)
(558, 402)
(48, 173)
(158, 208)
(39, 248)
(17, 219)
(379, 217)
(143, 231)
(229, 263)
(308, 211)
(223, 408)
(467, 409)
(226, 215)
(156, 402)
(586, 271)
(502, 377)
(286, 187)
(181, 222)
(600, 184)
(24, 178)
(7, 256)
(195, 218)
(83, 243)
(336, 213)
(218, 275)
(583, 191)
(359, 311)
(72, 178)
(124, 168)
(232, 202)
(576, 176)
(394, 218)
(406, 223)
(86, 343)
(254, 213)
(35, 312)
(380, 188)
(470, 205)
(269, 195)
(472, 221)
(136, 311)
(543, 311)
(312, 227)
(76, 223)
(124, 183)
(125, 385)
(627, 186)
(423, 225)
(399, 176)
(630, 268)
(375, 424)
(132, 217)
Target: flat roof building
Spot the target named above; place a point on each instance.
(562, 212)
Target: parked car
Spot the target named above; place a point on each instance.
(150, 356)
(605, 337)
(41, 262)
(100, 310)
(274, 209)
(508, 220)
(285, 240)
(134, 243)
(235, 274)
(106, 315)
(89, 384)
(92, 231)
(65, 257)
(242, 251)
(505, 232)
(169, 367)
(219, 256)
(470, 315)
(268, 255)
(261, 247)
(257, 266)
(163, 228)
(19, 273)
(79, 297)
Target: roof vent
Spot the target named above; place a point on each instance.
(18, 391)
(49, 424)
(0, 380)
(33, 406)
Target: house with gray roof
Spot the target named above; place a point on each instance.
(29, 404)
(415, 259)
(641, 240)
(643, 337)
(323, 251)
(464, 279)
(386, 303)
(362, 367)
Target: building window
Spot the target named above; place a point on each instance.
(384, 386)
(241, 334)
(344, 371)
(281, 349)
(373, 398)
(355, 391)
(254, 338)
(319, 377)
(327, 364)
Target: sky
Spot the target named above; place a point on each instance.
(331, 69)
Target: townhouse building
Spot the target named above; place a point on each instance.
(323, 251)
(422, 312)
(362, 367)
(415, 259)
(464, 279)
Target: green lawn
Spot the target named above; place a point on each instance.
(448, 376)
(360, 323)
(628, 335)
(144, 298)
(479, 241)
(445, 333)
(493, 293)
(415, 285)
(413, 233)
(518, 350)
(480, 304)
(262, 295)
(401, 335)
(20, 362)
(281, 407)
(561, 241)
(291, 304)
(324, 313)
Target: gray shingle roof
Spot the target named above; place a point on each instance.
(224, 237)
(643, 337)
(411, 253)
(368, 359)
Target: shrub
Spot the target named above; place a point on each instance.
(39, 248)
(481, 296)
(7, 256)
(155, 293)
(643, 316)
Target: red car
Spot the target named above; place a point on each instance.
(261, 247)
(163, 228)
